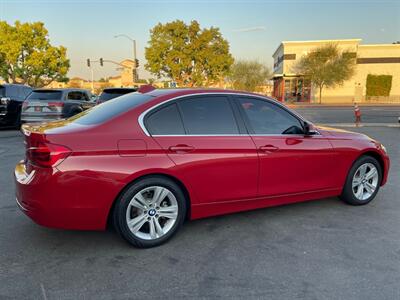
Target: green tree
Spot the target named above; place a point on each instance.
(26, 55)
(248, 75)
(187, 54)
(327, 66)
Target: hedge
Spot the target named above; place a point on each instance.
(379, 85)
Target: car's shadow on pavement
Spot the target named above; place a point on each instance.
(257, 225)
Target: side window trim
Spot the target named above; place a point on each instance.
(247, 121)
(236, 113)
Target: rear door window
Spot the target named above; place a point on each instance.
(208, 115)
(76, 95)
(165, 121)
(45, 95)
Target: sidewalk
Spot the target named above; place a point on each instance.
(353, 125)
(361, 104)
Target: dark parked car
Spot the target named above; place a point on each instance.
(112, 93)
(11, 98)
(53, 104)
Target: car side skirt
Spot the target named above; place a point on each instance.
(219, 208)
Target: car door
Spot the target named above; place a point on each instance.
(86, 101)
(212, 152)
(290, 162)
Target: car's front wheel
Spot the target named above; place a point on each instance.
(363, 181)
(150, 212)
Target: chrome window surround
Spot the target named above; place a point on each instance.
(143, 115)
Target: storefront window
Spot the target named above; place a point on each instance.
(297, 89)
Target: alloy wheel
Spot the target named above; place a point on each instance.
(152, 212)
(365, 181)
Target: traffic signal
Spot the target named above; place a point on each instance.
(136, 63)
(101, 61)
(88, 62)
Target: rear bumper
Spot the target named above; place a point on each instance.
(44, 197)
(28, 118)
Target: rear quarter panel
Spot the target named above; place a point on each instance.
(97, 171)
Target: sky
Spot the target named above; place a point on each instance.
(254, 29)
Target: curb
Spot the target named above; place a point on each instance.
(341, 105)
(352, 125)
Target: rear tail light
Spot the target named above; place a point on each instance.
(56, 106)
(47, 155)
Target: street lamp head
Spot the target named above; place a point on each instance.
(125, 36)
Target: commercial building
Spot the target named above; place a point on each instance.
(378, 59)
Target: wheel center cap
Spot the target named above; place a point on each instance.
(152, 212)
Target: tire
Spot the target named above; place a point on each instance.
(75, 112)
(140, 207)
(361, 187)
(18, 122)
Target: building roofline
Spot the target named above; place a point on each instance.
(321, 41)
(380, 45)
(314, 41)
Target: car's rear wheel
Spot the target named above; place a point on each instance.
(150, 212)
(363, 181)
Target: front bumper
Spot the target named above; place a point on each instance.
(45, 196)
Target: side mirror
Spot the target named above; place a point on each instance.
(309, 129)
(4, 100)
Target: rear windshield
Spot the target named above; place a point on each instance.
(45, 95)
(110, 109)
(2, 91)
(111, 94)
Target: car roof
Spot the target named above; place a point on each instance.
(15, 84)
(187, 91)
(120, 88)
(61, 90)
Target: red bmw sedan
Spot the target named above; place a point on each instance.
(149, 160)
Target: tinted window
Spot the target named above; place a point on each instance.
(113, 93)
(109, 109)
(267, 118)
(45, 95)
(12, 92)
(75, 96)
(2, 91)
(208, 115)
(165, 121)
(27, 91)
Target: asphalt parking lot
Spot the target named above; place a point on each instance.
(316, 250)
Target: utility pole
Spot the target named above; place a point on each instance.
(135, 61)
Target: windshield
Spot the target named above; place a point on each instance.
(110, 109)
(45, 95)
(111, 94)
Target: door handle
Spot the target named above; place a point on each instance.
(181, 148)
(268, 148)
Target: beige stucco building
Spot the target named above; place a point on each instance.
(378, 59)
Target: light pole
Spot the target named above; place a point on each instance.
(136, 77)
